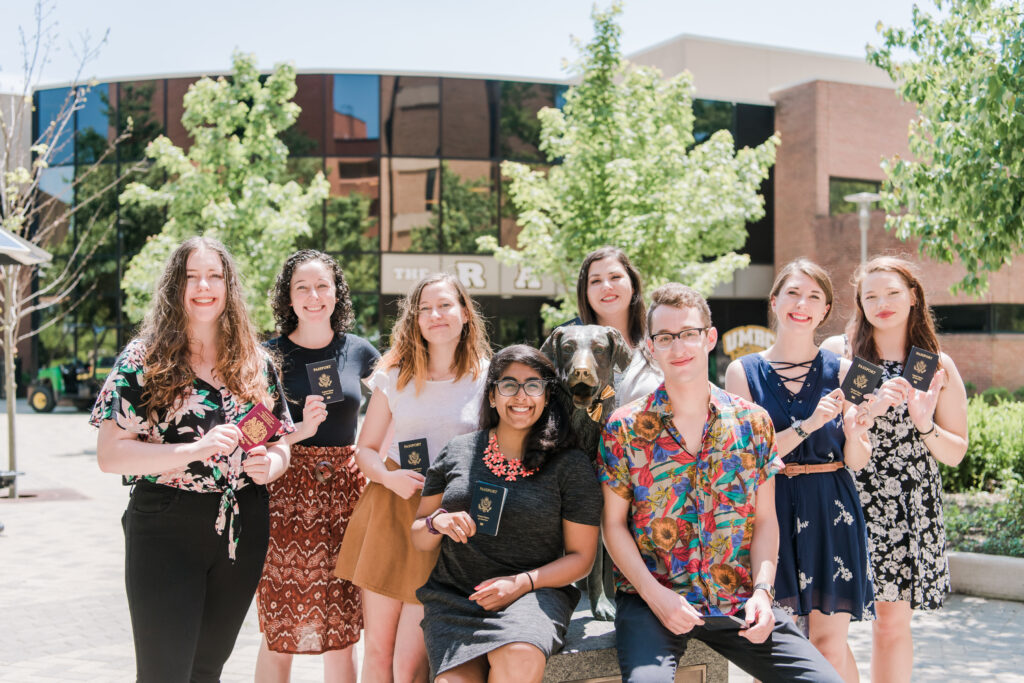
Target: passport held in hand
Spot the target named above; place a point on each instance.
(325, 380)
(920, 368)
(413, 455)
(862, 379)
(258, 426)
(488, 502)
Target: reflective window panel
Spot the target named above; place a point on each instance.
(143, 103)
(355, 114)
(410, 204)
(470, 118)
(410, 115)
(49, 106)
(519, 128)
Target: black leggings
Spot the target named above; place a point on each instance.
(186, 597)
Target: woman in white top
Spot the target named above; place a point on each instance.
(428, 388)
(609, 292)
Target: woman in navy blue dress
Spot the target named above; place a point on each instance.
(823, 562)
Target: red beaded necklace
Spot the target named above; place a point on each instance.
(502, 467)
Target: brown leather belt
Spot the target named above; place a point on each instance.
(794, 470)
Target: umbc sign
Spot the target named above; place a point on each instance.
(739, 341)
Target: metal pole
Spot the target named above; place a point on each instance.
(863, 200)
(865, 221)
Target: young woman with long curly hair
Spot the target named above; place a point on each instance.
(196, 527)
(303, 608)
(427, 388)
(900, 487)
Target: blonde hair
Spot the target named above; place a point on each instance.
(408, 350)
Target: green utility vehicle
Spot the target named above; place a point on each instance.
(68, 384)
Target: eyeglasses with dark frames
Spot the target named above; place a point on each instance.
(691, 335)
(510, 387)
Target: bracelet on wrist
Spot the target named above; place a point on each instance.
(924, 434)
(429, 520)
(532, 586)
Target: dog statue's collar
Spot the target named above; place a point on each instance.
(595, 410)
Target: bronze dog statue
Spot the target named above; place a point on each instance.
(586, 357)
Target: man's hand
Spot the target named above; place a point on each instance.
(760, 618)
(672, 610)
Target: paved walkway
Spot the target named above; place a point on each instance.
(63, 614)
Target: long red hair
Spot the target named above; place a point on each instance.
(920, 324)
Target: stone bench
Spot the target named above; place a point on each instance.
(589, 655)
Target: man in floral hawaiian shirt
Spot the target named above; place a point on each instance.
(689, 515)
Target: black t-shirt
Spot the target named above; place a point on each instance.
(356, 359)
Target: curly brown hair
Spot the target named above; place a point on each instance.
(408, 350)
(920, 324)
(281, 296)
(241, 361)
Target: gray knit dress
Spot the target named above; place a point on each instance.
(458, 630)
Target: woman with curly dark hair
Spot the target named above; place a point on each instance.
(303, 608)
(497, 604)
(168, 414)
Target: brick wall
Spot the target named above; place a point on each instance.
(843, 131)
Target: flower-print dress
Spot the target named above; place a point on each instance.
(901, 491)
(205, 407)
(823, 562)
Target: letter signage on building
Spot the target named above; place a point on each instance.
(478, 274)
(739, 341)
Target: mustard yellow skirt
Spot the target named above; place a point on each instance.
(377, 552)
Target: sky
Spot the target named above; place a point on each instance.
(511, 38)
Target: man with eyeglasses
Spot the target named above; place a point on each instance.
(689, 515)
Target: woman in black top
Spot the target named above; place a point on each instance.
(501, 603)
(303, 608)
(196, 526)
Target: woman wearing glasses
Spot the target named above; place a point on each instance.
(497, 606)
(427, 388)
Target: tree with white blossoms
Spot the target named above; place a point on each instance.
(626, 172)
(230, 185)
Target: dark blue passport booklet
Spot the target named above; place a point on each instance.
(488, 502)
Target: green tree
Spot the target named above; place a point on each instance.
(229, 185)
(627, 173)
(961, 192)
(468, 209)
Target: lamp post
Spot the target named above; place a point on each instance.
(863, 200)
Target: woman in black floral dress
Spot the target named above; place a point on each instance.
(900, 488)
(196, 527)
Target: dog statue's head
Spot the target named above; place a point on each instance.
(585, 357)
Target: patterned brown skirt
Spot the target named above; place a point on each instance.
(303, 608)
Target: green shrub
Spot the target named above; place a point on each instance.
(972, 389)
(996, 395)
(1019, 394)
(994, 525)
(995, 451)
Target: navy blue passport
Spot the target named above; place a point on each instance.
(920, 368)
(413, 455)
(862, 379)
(488, 502)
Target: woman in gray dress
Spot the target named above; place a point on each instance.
(498, 605)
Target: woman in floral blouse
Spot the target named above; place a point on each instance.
(196, 526)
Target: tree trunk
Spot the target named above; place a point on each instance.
(10, 277)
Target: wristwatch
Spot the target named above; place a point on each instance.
(799, 429)
(766, 587)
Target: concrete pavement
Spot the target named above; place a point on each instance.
(64, 617)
